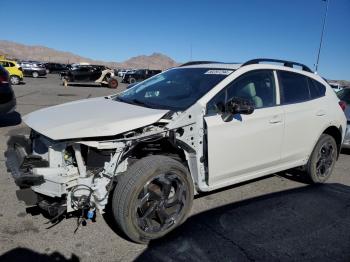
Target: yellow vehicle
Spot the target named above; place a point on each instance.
(15, 71)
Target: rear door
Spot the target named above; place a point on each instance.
(303, 101)
(247, 144)
(95, 73)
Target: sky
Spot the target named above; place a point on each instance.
(220, 30)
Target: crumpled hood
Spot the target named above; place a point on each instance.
(91, 118)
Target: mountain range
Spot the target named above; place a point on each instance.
(42, 53)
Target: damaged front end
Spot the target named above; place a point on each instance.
(62, 177)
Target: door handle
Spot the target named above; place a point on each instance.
(275, 119)
(320, 113)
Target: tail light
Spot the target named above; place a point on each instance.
(342, 105)
(4, 79)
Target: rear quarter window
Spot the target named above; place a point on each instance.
(316, 88)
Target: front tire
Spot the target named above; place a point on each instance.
(132, 80)
(322, 160)
(152, 198)
(35, 74)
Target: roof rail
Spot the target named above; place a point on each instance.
(284, 62)
(198, 63)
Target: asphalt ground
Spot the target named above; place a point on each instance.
(277, 218)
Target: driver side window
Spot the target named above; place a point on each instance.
(256, 86)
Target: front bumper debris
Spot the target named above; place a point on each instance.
(20, 164)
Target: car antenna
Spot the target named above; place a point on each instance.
(322, 33)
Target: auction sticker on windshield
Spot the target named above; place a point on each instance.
(218, 72)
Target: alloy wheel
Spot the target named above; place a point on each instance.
(325, 159)
(14, 80)
(160, 204)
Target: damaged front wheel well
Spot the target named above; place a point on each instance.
(164, 146)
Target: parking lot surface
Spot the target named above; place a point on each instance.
(278, 218)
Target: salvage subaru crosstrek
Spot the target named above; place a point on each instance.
(191, 129)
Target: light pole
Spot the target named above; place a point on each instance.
(323, 28)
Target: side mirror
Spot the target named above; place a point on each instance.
(238, 105)
(235, 105)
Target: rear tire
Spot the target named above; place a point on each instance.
(112, 83)
(132, 80)
(322, 160)
(15, 80)
(35, 74)
(152, 198)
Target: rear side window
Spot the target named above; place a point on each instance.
(294, 87)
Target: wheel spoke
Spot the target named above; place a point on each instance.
(143, 200)
(166, 187)
(154, 196)
(162, 215)
(150, 210)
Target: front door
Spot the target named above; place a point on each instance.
(81, 74)
(247, 144)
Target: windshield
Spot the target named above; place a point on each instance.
(176, 89)
(344, 95)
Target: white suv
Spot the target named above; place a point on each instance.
(191, 129)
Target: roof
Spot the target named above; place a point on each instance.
(7, 60)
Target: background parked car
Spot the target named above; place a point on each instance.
(34, 69)
(122, 72)
(139, 75)
(55, 67)
(335, 86)
(344, 96)
(90, 73)
(14, 70)
(7, 96)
